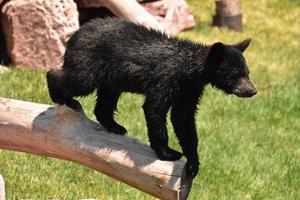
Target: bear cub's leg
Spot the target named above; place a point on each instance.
(183, 121)
(54, 81)
(155, 115)
(56, 91)
(106, 105)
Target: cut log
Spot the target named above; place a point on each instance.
(228, 14)
(63, 133)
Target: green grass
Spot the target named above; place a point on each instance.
(250, 148)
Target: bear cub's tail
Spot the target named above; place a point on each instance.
(54, 80)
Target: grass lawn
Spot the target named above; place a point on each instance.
(250, 148)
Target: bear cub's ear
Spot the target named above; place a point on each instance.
(217, 51)
(242, 46)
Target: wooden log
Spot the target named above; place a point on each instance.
(63, 133)
(228, 14)
(169, 16)
(126, 9)
(2, 188)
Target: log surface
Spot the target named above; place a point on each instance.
(62, 133)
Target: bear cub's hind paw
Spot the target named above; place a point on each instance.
(192, 168)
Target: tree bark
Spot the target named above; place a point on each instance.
(63, 133)
(228, 14)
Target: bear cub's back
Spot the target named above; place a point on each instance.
(122, 53)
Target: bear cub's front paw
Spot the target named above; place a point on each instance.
(166, 153)
(192, 168)
(117, 129)
(74, 104)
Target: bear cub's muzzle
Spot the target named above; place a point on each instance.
(245, 88)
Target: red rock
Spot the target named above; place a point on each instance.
(37, 30)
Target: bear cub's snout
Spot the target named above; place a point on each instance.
(245, 88)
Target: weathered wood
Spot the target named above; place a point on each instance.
(169, 16)
(2, 188)
(63, 133)
(133, 11)
(228, 14)
(126, 9)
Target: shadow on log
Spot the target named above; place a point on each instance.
(62, 133)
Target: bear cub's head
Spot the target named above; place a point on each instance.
(229, 70)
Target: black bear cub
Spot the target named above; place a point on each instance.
(114, 56)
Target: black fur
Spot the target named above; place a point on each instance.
(114, 56)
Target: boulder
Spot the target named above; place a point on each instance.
(36, 31)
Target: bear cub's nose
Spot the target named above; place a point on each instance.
(245, 88)
(253, 92)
